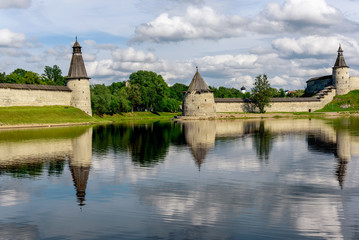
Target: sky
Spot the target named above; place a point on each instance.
(231, 41)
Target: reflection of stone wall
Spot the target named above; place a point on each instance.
(200, 135)
(78, 149)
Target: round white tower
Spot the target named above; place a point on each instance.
(78, 81)
(340, 75)
(198, 100)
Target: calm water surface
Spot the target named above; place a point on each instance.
(272, 179)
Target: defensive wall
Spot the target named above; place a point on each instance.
(278, 104)
(76, 93)
(34, 95)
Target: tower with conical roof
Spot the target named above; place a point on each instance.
(78, 81)
(340, 77)
(198, 100)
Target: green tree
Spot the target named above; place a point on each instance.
(3, 77)
(152, 88)
(100, 99)
(53, 75)
(176, 91)
(134, 95)
(261, 93)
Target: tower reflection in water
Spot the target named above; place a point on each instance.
(30, 153)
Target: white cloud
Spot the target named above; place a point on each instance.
(228, 61)
(15, 3)
(10, 39)
(314, 45)
(239, 81)
(132, 55)
(90, 42)
(306, 11)
(296, 15)
(196, 23)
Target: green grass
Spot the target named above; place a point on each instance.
(138, 116)
(61, 115)
(42, 115)
(348, 102)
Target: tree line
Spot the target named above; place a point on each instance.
(145, 91)
(51, 76)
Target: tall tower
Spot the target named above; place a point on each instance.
(78, 81)
(340, 75)
(198, 100)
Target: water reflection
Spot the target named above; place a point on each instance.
(324, 136)
(200, 136)
(281, 178)
(147, 143)
(29, 153)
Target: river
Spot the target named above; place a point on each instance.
(241, 179)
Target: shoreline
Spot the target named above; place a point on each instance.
(219, 116)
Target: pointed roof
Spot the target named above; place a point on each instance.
(80, 176)
(340, 62)
(77, 66)
(198, 84)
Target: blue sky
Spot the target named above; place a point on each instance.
(230, 41)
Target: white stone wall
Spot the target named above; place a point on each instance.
(354, 83)
(22, 97)
(81, 97)
(300, 106)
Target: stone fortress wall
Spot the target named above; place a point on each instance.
(277, 104)
(76, 93)
(324, 89)
(11, 96)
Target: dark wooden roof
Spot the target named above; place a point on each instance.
(198, 84)
(77, 67)
(244, 100)
(320, 78)
(340, 62)
(35, 87)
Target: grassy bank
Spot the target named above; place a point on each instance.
(348, 102)
(64, 115)
(42, 115)
(137, 116)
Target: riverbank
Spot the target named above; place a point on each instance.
(57, 116)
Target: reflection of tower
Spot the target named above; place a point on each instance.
(344, 154)
(80, 163)
(200, 136)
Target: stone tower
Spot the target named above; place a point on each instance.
(340, 77)
(198, 100)
(78, 81)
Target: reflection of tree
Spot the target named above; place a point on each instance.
(56, 167)
(34, 168)
(262, 142)
(148, 143)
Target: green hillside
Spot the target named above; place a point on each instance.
(347, 102)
